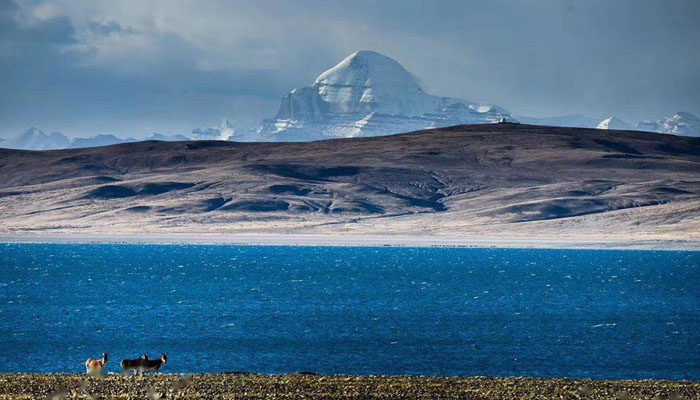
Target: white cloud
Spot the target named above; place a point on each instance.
(45, 11)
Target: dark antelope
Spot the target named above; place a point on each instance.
(154, 365)
(134, 365)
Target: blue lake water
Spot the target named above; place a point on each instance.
(428, 311)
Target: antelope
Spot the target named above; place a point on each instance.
(93, 366)
(135, 365)
(154, 365)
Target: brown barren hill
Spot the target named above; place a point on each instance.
(503, 180)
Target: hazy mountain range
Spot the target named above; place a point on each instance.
(682, 123)
(366, 94)
(35, 139)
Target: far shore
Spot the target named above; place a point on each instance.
(352, 241)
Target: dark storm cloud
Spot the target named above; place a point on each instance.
(7, 5)
(132, 67)
(50, 31)
(25, 53)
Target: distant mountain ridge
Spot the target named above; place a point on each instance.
(35, 139)
(682, 123)
(366, 94)
(370, 94)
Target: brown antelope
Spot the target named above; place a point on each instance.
(93, 366)
(154, 365)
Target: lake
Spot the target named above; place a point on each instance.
(352, 310)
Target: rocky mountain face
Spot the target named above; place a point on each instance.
(682, 123)
(368, 94)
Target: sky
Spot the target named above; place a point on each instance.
(135, 67)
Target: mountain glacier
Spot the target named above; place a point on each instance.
(368, 94)
(682, 123)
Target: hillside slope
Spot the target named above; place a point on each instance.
(503, 179)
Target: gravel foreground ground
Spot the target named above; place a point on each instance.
(309, 386)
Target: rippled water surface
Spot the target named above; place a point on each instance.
(559, 313)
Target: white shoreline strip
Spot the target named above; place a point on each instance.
(353, 241)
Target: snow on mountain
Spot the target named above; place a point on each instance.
(614, 123)
(368, 94)
(682, 123)
(35, 139)
(225, 131)
(572, 120)
(56, 140)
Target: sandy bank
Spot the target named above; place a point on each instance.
(356, 240)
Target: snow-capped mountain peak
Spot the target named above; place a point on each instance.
(363, 65)
(368, 94)
(613, 123)
(367, 81)
(681, 123)
(35, 139)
